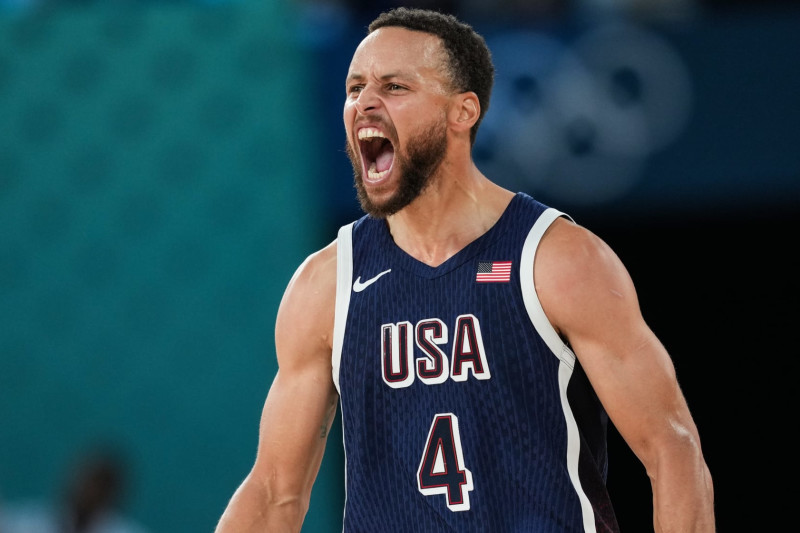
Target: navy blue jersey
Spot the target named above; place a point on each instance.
(462, 408)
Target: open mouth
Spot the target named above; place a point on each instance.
(377, 153)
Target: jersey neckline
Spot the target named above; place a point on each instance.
(399, 258)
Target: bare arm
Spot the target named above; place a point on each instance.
(589, 297)
(299, 408)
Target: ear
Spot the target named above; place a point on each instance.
(464, 111)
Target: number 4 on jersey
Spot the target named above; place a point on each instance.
(442, 469)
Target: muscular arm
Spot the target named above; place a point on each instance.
(299, 408)
(589, 297)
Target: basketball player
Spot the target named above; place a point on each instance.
(476, 340)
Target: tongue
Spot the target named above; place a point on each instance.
(384, 160)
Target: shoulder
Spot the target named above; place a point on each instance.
(317, 272)
(568, 245)
(308, 305)
(578, 275)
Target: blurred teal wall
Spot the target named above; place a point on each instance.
(156, 170)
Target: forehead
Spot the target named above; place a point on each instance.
(397, 50)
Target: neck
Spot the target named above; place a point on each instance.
(457, 207)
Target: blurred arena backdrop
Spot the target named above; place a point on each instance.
(165, 166)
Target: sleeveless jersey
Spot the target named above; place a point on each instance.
(462, 408)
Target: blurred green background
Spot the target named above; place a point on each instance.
(155, 197)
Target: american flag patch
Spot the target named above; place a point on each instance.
(493, 271)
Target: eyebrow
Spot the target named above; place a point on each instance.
(385, 77)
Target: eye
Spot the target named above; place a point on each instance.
(395, 87)
(354, 89)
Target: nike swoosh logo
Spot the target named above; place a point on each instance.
(358, 286)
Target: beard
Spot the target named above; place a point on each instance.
(422, 157)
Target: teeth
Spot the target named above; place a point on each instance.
(370, 133)
(373, 174)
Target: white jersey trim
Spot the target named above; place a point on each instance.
(532, 303)
(560, 350)
(344, 278)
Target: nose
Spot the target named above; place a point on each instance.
(367, 101)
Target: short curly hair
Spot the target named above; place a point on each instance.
(469, 60)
